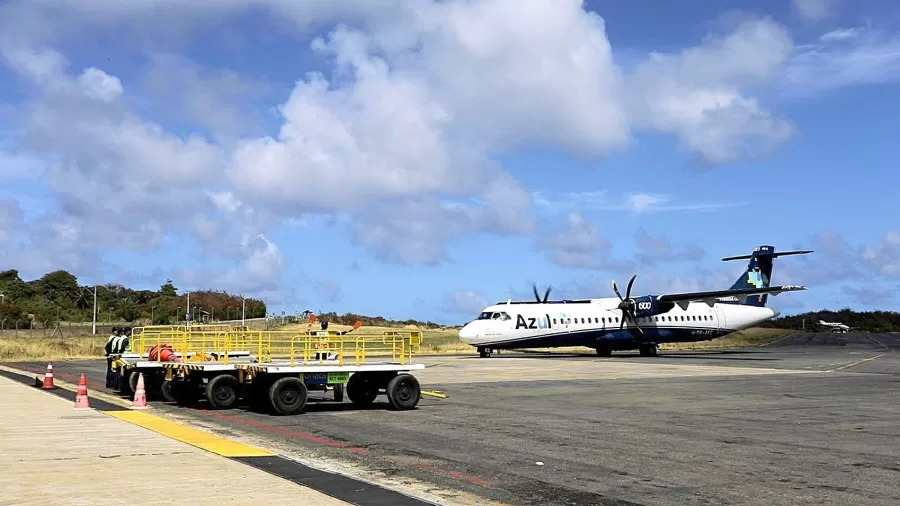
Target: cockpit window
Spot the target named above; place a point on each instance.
(488, 315)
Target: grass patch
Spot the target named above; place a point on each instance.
(741, 339)
(433, 340)
(51, 348)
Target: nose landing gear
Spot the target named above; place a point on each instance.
(484, 352)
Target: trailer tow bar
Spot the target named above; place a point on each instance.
(434, 393)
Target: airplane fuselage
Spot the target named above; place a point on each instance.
(596, 323)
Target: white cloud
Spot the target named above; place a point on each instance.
(655, 249)
(468, 302)
(697, 93)
(220, 99)
(100, 85)
(884, 257)
(840, 58)
(633, 202)
(579, 244)
(814, 10)
(642, 201)
(421, 97)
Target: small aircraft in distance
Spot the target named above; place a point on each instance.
(626, 323)
(835, 326)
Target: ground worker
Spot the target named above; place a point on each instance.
(109, 348)
(125, 342)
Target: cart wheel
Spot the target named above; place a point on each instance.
(287, 396)
(183, 391)
(222, 391)
(339, 392)
(361, 389)
(129, 383)
(403, 391)
(165, 391)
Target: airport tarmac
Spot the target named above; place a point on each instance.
(811, 418)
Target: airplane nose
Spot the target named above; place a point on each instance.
(467, 333)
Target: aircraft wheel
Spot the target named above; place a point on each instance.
(484, 352)
(648, 350)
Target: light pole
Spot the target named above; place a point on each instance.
(94, 313)
(243, 310)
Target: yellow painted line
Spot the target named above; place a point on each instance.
(195, 437)
(851, 364)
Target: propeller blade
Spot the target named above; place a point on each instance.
(547, 294)
(616, 289)
(536, 296)
(630, 283)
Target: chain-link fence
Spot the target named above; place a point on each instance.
(37, 329)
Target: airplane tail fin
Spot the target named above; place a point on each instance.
(759, 271)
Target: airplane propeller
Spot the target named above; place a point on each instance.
(538, 297)
(627, 304)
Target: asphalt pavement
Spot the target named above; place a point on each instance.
(811, 418)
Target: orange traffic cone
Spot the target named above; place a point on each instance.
(81, 399)
(48, 377)
(140, 396)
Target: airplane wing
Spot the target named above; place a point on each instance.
(711, 297)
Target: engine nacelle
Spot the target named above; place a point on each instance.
(648, 305)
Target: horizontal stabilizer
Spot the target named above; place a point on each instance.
(771, 255)
(718, 294)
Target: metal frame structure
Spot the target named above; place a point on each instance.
(271, 369)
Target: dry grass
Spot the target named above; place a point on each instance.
(742, 339)
(435, 341)
(51, 348)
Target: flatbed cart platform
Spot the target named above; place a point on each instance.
(280, 370)
(280, 387)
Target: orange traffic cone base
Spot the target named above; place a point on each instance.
(48, 378)
(81, 398)
(140, 395)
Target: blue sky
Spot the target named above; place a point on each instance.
(421, 159)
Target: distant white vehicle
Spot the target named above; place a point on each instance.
(834, 326)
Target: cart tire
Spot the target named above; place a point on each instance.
(287, 396)
(403, 392)
(361, 389)
(222, 391)
(165, 391)
(339, 392)
(183, 391)
(129, 383)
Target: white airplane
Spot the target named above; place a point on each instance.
(626, 323)
(834, 326)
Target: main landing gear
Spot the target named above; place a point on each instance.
(648, 350)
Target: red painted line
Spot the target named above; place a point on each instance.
(456, 474)
(286, 432)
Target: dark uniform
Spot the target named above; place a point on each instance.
(109, 349)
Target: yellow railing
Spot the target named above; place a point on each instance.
(295, 347)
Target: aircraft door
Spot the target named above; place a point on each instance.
(720, 318)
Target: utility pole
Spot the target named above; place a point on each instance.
(94, 318)
(243, 310)
(187, 310)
